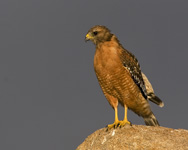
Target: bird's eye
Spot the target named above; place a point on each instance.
(95, 32)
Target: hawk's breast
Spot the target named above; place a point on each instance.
(114, 78)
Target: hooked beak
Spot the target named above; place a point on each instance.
(88, 37)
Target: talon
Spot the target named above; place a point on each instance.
(123, 123)
(118, 123)
(114, 125)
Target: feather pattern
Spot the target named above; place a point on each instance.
(131, 63)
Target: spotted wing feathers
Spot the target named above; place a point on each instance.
(131, 64)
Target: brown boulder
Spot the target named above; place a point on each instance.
(137, 137)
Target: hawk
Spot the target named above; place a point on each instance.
(120, 77)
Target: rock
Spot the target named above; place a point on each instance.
(137, 137)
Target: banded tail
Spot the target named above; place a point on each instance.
(150, 92)
(151, 121)
(152, 97)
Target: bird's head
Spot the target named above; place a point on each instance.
(98, 34)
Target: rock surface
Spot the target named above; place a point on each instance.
(137, 137)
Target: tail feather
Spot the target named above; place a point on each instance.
(150, 92)
(152, 97)
(151, 121)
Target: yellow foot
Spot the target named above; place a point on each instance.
(114, 125)
(123, 123)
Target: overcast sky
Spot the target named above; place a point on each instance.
(50, 98)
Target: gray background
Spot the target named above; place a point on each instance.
(50, 98)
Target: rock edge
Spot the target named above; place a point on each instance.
(137, 137)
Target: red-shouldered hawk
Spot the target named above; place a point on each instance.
(120, 77)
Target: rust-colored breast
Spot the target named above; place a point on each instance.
(115, 79)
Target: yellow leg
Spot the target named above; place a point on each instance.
(125, 121)
(116, 122)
